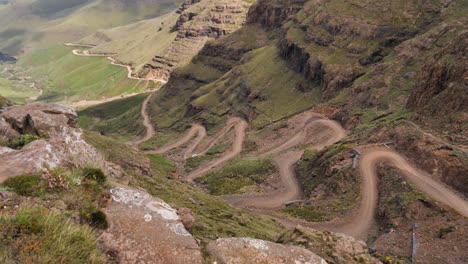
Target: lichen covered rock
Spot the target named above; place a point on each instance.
(249, 250)
(59, 140)
(144, 229)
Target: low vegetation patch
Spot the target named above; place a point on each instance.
(235, 176)
(22, 141)
(26, 185)
(94, 174)
(39, 236)
(117, 118)
(308, 213)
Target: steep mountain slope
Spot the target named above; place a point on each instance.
(30, 24)
(392, 73)
(155, 47)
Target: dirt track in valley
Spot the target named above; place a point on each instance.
(236, 148)
(196, 129)
(150, 132)
(358, 225)
(87, 53)
(288, 157)
(287, 154)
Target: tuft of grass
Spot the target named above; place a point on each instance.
(95, 218)
(22, 141)
(38, 236)
(241, 173)
(25, 185)
(94, 174)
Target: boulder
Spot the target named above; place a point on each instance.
(60, 142)
(145, 229)
(253, 251)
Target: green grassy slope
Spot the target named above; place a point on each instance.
(137, 43)
(73, 78)
(120, 118)
(40, 23)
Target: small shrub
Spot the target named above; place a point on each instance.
(25, 185)
(22, 141)
(443, 232)
(94, 174)
(55, 180)
(99, 220)
(94, 218)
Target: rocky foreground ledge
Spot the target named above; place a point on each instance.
(57, 140)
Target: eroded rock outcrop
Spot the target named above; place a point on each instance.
(334, 247)
(199, 22)
(144, 229)
(59, 140)
(249, 250)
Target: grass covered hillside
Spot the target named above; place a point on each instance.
(388, 72)
(325, 52)
(157, 46)
(30, 24)
(72, 78)
(137, 43)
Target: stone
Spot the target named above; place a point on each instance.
(253, 251)
(145, 229)
(61, 140)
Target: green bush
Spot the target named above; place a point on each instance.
(22, 141)
(94, 174)
(94, 217)
(25, 185)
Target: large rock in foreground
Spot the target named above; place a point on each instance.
(60, 140)
(253, 251)
(144, 229)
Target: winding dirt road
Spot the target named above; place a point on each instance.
(291, 189)
(196, 129)
(359, 223)
(358, 226)
(240, 127)
(150, 132)
(87, 53)
(287, 154)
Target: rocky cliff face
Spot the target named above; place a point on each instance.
(199, 22)
(57, 141)
(441, 91)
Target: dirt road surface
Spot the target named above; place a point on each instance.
(196, 129)
(240, 128)
(150, 132)
(285, 162)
